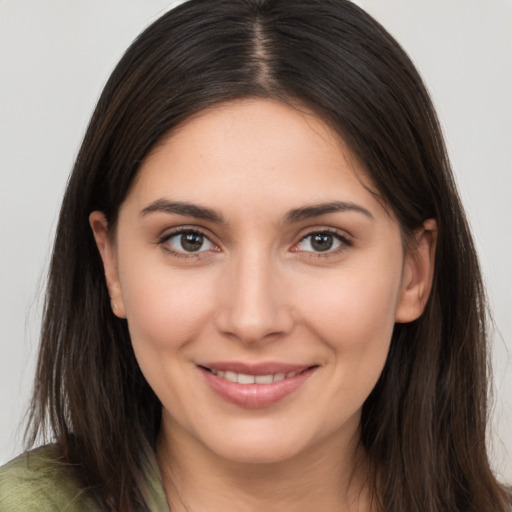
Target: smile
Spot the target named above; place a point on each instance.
(255, 387)
(244, 378)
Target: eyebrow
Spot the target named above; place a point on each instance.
(316, 210)
(293, 216)
(181, 208)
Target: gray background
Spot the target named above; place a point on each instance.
(55, 56)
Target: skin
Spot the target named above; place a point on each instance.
(258, 290)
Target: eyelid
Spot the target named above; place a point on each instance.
(341, 236)
(168, 234)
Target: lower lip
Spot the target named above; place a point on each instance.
(255, 396)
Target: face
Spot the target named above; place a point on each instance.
(261, 281)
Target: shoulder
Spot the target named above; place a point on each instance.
(38, 481)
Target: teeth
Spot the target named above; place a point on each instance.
(263, 379)
(231, 376)
(243, 378)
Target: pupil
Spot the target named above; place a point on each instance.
(322, 242)
(191, 241)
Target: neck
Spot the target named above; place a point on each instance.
(326, 477)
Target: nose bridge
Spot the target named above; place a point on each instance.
(255, 306)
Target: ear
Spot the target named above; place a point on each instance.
(99, 226)
(418, 273)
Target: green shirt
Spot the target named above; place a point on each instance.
(37, 482)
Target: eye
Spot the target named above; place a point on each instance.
(188, 241)
(322, 242)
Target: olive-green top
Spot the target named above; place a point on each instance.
(38, 482)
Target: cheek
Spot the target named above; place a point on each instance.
(354, 316)
(166, 311)
(165, 308)
(352, 302)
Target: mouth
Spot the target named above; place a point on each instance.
(255, 386)
(249, 378)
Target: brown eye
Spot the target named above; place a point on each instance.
(322, 241)
(189, 241)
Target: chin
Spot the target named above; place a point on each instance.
(259, 443)
(268, 453)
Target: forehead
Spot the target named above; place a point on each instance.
(253, 151)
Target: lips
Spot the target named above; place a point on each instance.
(255, 386)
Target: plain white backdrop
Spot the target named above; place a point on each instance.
(56, 55)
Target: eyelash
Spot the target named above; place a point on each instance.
(163, 242)
(344, 243)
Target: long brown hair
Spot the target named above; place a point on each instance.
(424, 425)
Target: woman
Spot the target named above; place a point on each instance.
(263, 292)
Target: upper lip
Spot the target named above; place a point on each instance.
(265, 368)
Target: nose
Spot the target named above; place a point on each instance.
(254, 305)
